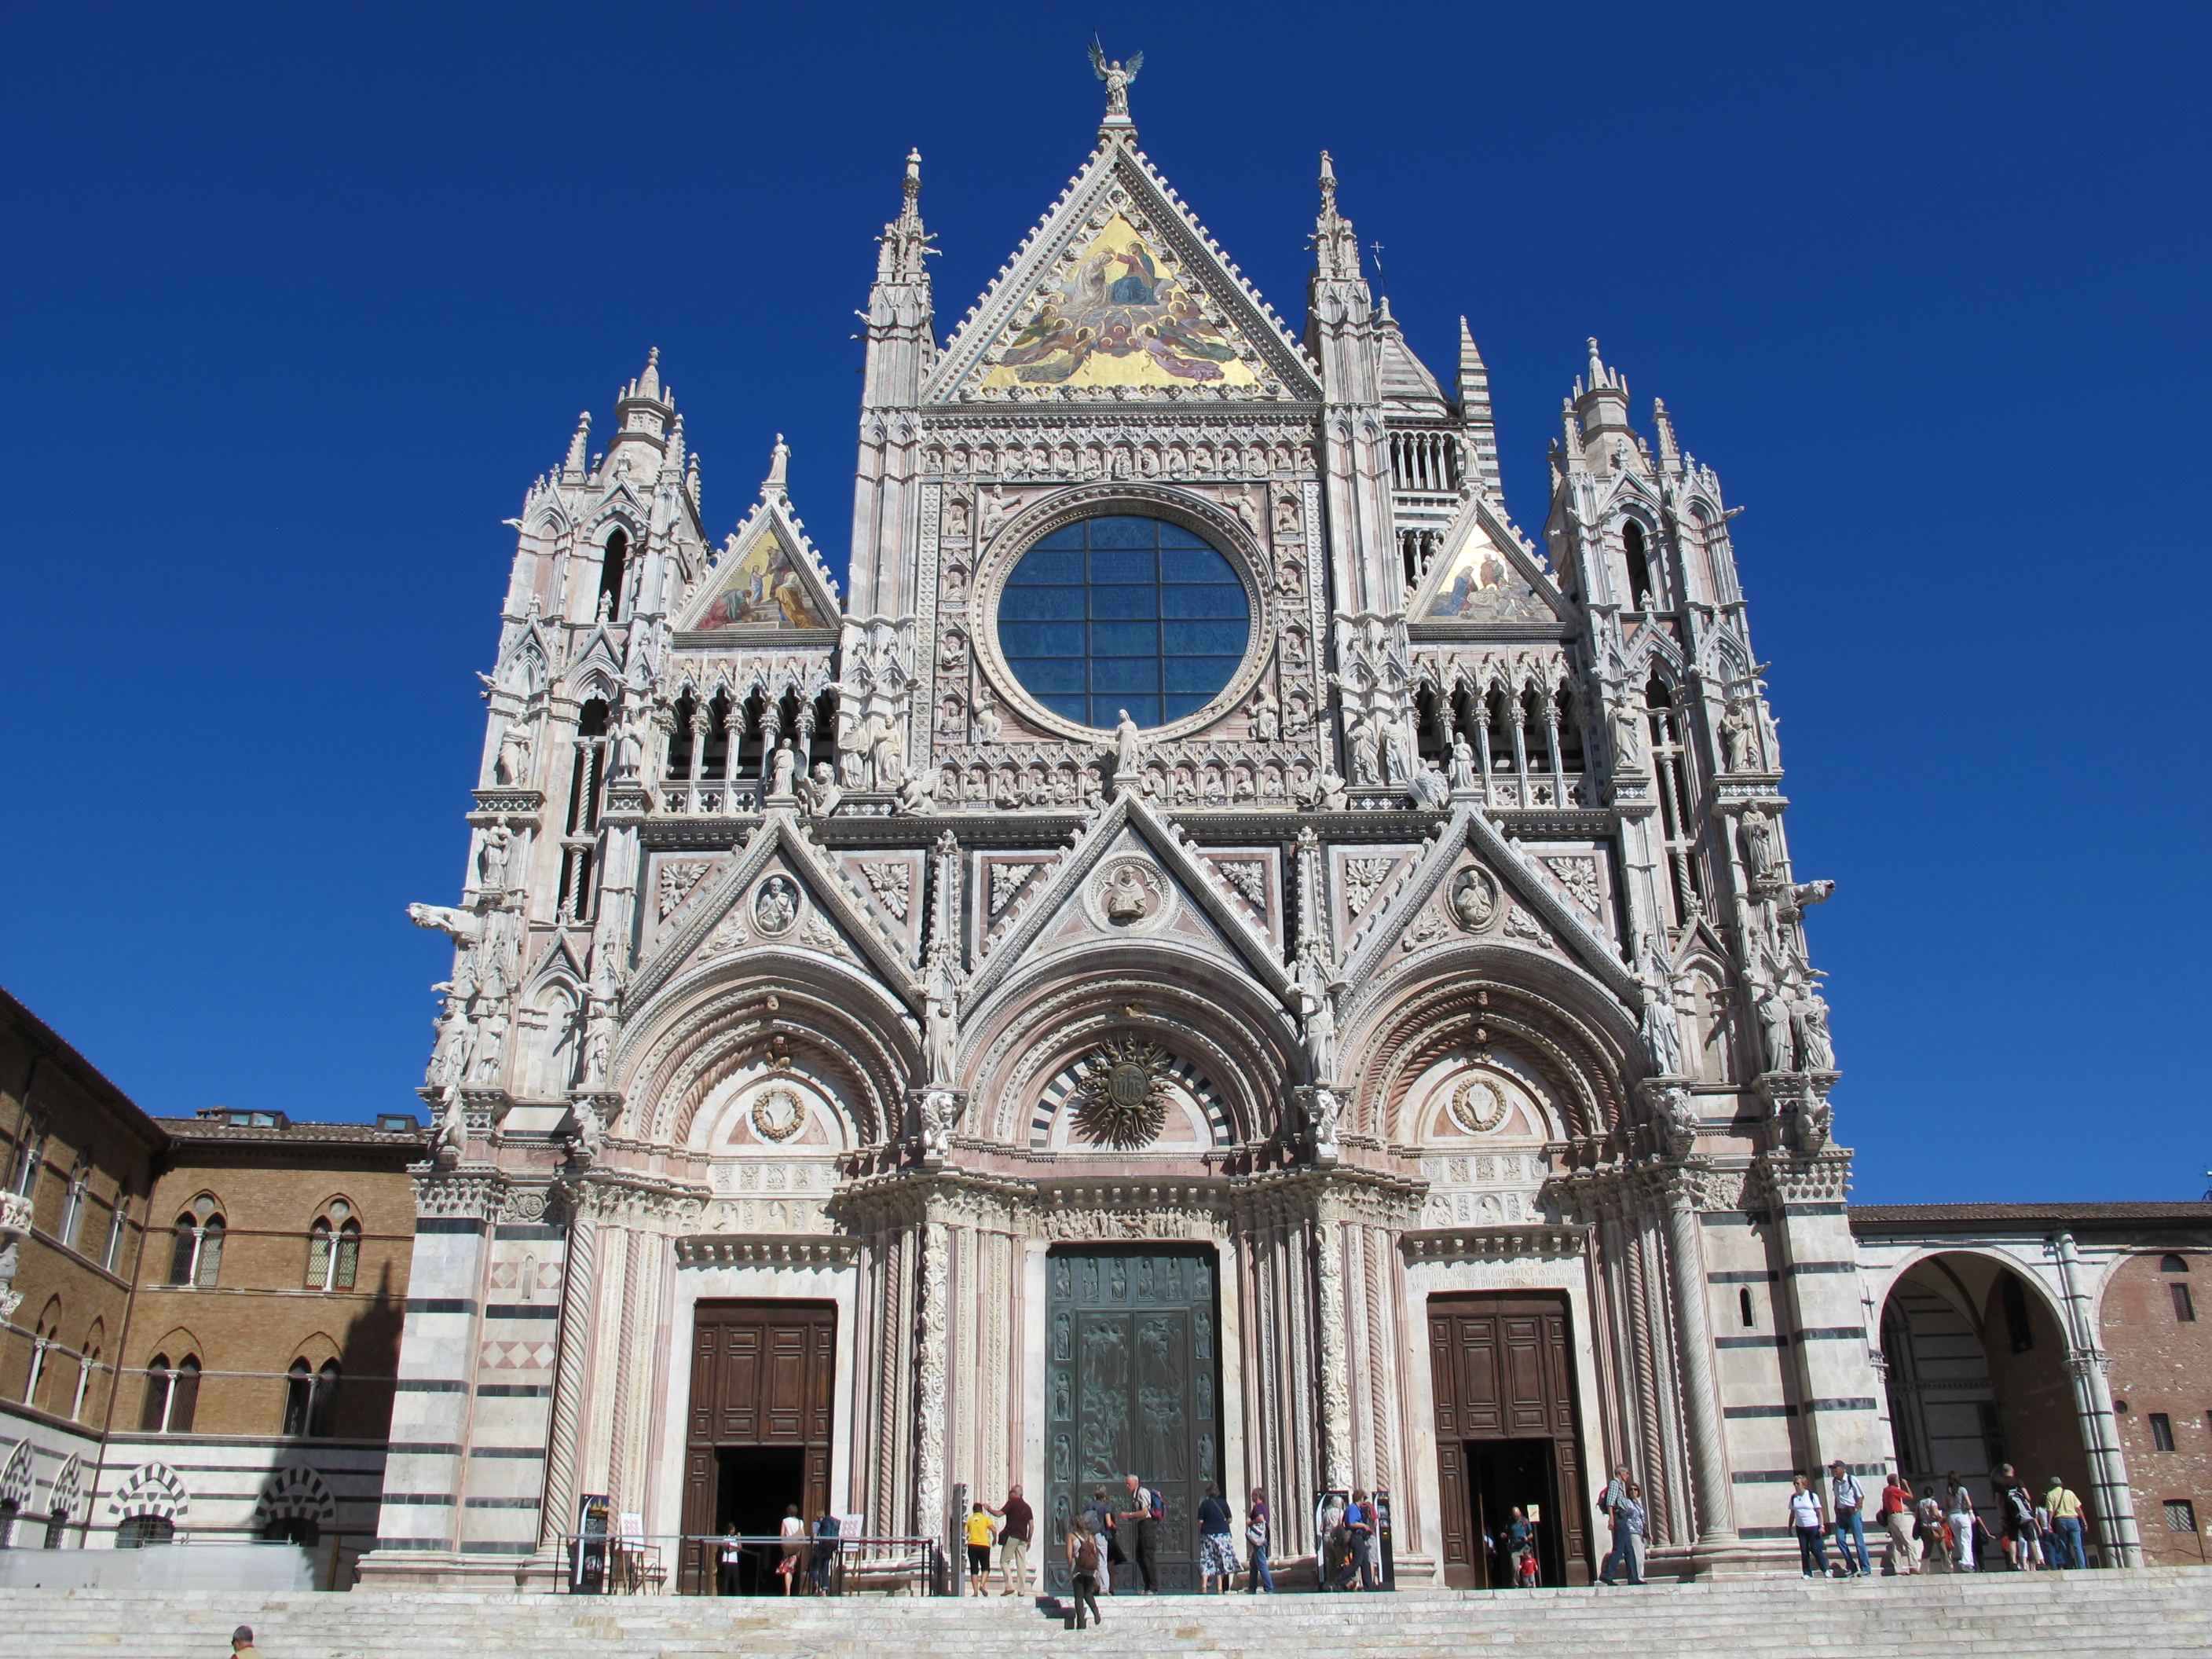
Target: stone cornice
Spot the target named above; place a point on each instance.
(767, 1250)
(1123, 1205)
(1445, 1244)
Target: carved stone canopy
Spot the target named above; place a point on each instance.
(1123, 1094)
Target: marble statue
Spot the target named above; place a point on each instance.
(1662, 1033)
(820, 793)
(1775, 1024)
(512, 766)
(1116, 77)
(1463, 763)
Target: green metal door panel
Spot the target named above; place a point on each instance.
(1132, 1386)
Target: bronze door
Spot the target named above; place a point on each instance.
(1133, 1386)
(762, 1376)
(1503, 1371)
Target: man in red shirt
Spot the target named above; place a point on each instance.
(1896, 1514)
(1014, 1542)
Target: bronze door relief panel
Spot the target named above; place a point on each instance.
(1133, 1386)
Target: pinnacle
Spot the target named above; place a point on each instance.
(647, 384)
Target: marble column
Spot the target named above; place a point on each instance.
(2089, 1367)
(1709, 1462)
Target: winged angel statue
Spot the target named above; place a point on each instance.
(1115, 77)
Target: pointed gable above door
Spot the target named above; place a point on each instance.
(1120, 294)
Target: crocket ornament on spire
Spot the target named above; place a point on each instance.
(1117, 78)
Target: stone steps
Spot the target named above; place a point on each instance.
(2152, 1613)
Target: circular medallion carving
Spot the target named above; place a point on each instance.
(1130, 896)
(775, 906)
(1474, 899)
(1478, 1105)
(1122, 1095)
(778, 1115)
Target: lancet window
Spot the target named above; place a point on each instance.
(586, 785)
(173, 1393)
(196, 1259)
(1633, 546)
(333, 1248)
(613, 566)
(1670, 758)
(311, 1399)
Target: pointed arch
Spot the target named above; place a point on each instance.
(1579, 1040)
(713, 1021)
(1218, 1025)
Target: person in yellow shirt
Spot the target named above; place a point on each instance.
(2065, 1524)
(980, 1530)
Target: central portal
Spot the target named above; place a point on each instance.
(1133, 1386)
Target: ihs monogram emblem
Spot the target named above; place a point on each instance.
(1123, 1091)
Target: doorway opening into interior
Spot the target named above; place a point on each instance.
(753, 1485)
(1502, 1476)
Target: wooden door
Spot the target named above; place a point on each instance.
(1501, 1369)
(761, 1375)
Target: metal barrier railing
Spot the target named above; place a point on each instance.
(753, 1564)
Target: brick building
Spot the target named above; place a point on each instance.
(220, 1360)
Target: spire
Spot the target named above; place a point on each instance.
(900, 344)
(1474, 412)
(1336, 246)
(772, 485)
(671, 462)
(1573, 446)
(643, 409)
(691, 482)
(1602, 402)
(580, 452)
(1670, 452)
(647, 384)
(905, 244)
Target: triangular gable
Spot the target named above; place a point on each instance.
(1483, 576)
(1120, 287)
(768, 579)
(714, 924)
(1052, 894)
(1468, 831)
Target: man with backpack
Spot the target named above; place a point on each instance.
(1083, 1560)
(2018, 1505)
(1846, 1498)
(1099, 1511)
(1145, 1512)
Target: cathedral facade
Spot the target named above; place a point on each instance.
(1218, 957)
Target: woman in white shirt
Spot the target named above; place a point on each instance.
(1808, 1519)
(793, 1533)
(1961, 1502)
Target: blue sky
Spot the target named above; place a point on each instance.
(298, 299)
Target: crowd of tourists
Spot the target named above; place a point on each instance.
(1937, 1531)
(1117, 1533)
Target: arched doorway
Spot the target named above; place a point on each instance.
(1977, 1378)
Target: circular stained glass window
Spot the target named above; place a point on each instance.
(1123, 612)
